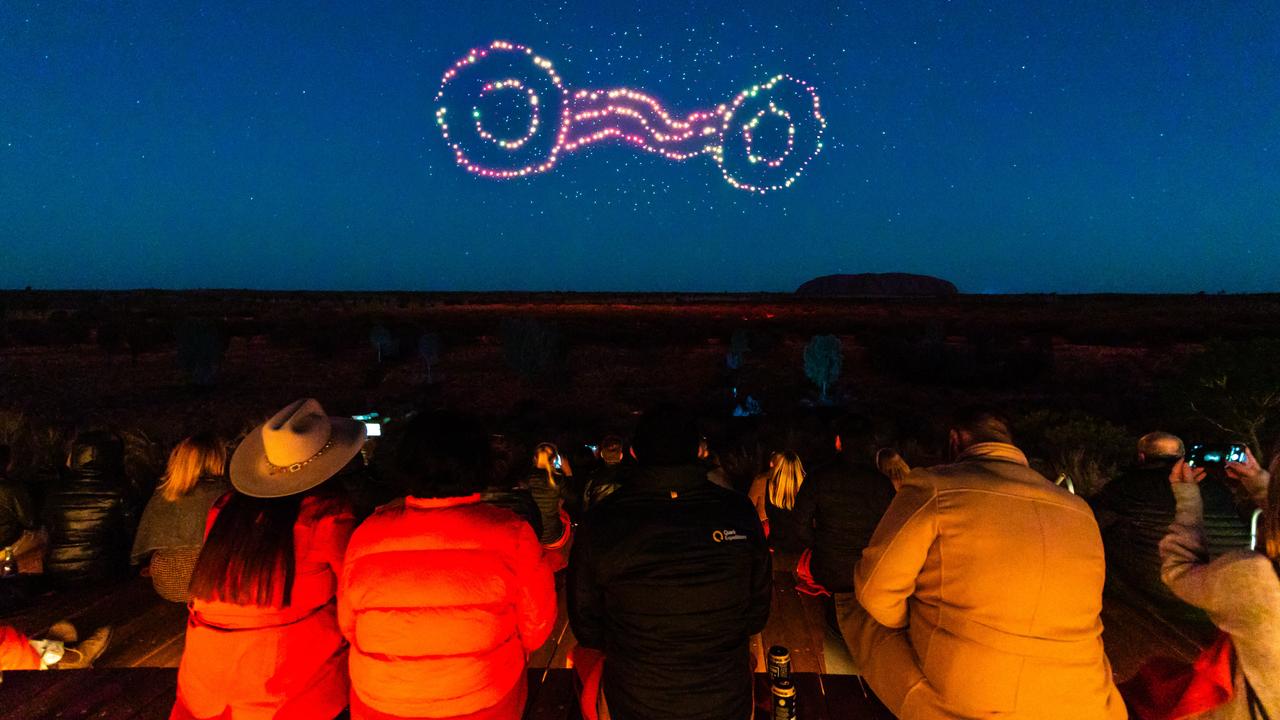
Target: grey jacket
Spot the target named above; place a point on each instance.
(1241, 593)
(167, 525)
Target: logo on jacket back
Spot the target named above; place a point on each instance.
(727, 535)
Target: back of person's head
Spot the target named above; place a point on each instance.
(854, 435)
(611, 449)
(443, 454)
(785, 480)
(203, 455)
(97, 450)
(545, 456)
(974, 425)
(666, 435)
(1160, 448)
(248, 556)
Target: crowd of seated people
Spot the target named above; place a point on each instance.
(964, 590)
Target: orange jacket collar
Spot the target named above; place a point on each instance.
(444, 502)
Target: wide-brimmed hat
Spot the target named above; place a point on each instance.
(296, 450)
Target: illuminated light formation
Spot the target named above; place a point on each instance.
(561, 121)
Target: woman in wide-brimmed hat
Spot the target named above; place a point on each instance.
(262, 636)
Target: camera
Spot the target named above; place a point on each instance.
(1215, 456)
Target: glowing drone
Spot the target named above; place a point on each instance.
(562, 121)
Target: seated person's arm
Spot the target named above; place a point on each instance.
(761, 584)
(886, 576)
(536, 606)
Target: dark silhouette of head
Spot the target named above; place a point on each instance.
(666, 435)
(611, 449)
(98, 451)
(975, 425)
(1160, 448)
(443, 454)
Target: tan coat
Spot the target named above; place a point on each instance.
(986, 584)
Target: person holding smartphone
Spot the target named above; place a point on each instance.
(1240, 590)
(547, 482)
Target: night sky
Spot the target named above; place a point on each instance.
(1010, 147)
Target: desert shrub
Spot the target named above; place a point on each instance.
(823, 359)
(429, 351)
(1234, 389)
(1087, 449)
(384, 342)
(201, 345)
(533, 348)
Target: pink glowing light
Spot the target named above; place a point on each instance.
(563, 121)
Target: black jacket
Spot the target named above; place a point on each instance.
(1135, 510)
(836, 512)
(16, 511)
(602, 483)
(91, 515)
(670, 576)
(548, 498)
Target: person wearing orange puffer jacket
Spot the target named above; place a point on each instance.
(262, 638)
(443, 597)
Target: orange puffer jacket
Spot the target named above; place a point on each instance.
(16, 652)
(442, 601)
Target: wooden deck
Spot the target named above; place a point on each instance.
(148, 635)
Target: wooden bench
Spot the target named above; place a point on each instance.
(147, 694)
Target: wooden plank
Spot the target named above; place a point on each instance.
(556, 697)
(787, 627)
(19, 687)
(814, 615)
(848, 697)
(118, 693)
(1132, 636)
(137, 637)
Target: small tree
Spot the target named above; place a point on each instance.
(1235, 387)
(823, 358)
(382, 341)
(429, 351)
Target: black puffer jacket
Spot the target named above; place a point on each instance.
(1135, 510)
(91, 514)
(836, 512)
(670, 576)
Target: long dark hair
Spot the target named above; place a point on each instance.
(248, 557)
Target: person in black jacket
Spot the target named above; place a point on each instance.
(668, 580)
(604, 479)
(16, 510)
(1135, 510)
(836, 511)
(91, 513)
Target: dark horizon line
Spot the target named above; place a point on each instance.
(778, 294)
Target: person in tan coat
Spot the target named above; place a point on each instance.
(981, 592)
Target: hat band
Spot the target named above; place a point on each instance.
(287, 469)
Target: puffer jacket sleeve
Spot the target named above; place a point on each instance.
(886, 576)
(536, 606)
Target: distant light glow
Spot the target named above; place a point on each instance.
(577, 119)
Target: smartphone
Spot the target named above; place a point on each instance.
(1216, 454)
(592, 448)
(372, 424)
(557, 462)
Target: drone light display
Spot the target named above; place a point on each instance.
(561, 121)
